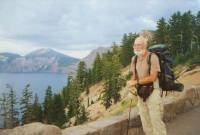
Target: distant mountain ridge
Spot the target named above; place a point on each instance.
(41, 60)
(45, 60)
(89, 59)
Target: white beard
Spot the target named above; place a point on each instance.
(139, 53)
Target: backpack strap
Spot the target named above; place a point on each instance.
(149, 62)
(135, 62)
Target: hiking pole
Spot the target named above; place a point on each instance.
(129, 117)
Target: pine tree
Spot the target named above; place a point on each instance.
(81, 74)
(113, 82)
(127, 48)
(162, 32)
(65, 95)
(13, 110)
(116, 80)
(87, 82)
(82, 115)
(65, 91)
(58, 117)
(48, 107)
(75, 90)
(37, 113)
(25, 105)
(90, 76)
(107, 94)
(97, 68)
(4, 110)
(107, 76)
(197, 32)
(181, 33)
(187, 24)
(175, 34)
(74, 106)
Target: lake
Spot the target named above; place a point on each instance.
(38, 82)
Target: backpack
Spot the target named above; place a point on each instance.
(167, 80)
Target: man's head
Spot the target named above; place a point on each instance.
(140, 45)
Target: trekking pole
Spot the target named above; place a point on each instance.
(129, 117)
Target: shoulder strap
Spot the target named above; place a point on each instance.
(149, 62)
(135, 62)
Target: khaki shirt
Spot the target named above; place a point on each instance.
(142, 67)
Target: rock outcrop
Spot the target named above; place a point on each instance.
(33, 129)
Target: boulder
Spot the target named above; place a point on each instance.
(35, 128)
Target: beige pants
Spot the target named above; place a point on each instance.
(151, 112)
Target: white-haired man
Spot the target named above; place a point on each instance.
(149, 105)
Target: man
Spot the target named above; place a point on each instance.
(150, 109)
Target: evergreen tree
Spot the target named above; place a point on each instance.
(97, 69)
(127, 48)
(161, 34)
(74, 100)
(81, 74)
(37, 113)
(65, 91)
(197, 32)
(48, 105)
(175, 33)
(82, 115)
(25, 105)
(107, 94)
(116, 79)
(13, 110)
(87, 82)
(182, 35)
(65, 95)
(113, 82)
(58, 117)
(89, 76)
(4, 110)
(187, 24)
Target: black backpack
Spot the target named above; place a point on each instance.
(167, 80)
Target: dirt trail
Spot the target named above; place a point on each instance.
(186, 124)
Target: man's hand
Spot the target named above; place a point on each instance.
(131, 83)
(130, 86)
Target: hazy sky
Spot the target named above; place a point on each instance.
(75, 27)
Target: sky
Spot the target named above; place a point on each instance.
(76, 27)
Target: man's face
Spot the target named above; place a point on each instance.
(138, 45)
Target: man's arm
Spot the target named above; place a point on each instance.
(130, 83)
(132, 68)
(149, 79)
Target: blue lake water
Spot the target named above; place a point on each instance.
(38, 82)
